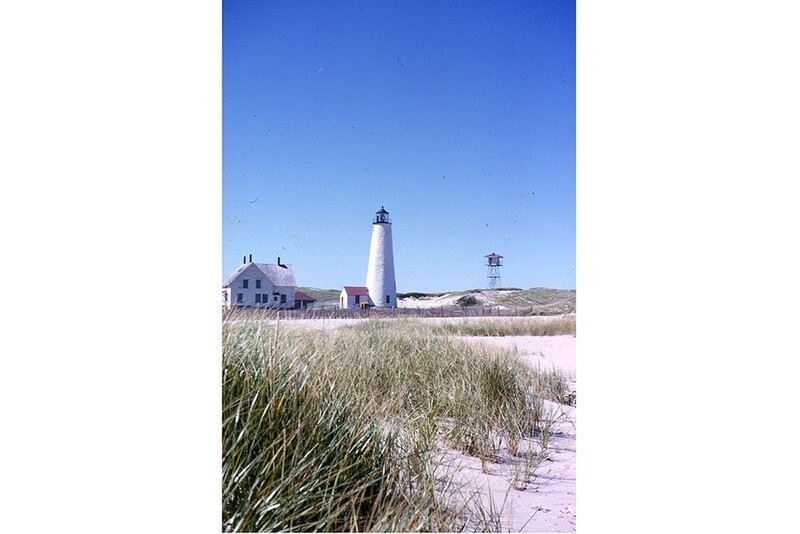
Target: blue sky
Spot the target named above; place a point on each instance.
(459, 118)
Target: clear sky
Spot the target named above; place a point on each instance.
(458, 117)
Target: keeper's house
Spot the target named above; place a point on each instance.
(260, 285)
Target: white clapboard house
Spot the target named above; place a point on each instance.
(260, 285)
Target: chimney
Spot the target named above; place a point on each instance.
(244, 260)
(251, 258)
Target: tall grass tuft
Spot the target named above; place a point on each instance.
(341, 430)
(297, 456)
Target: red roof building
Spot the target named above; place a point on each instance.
(354, 297)
(302, 301)
(356, 290)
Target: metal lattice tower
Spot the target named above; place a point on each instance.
(493, 263)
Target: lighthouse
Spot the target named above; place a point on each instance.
(380, 270)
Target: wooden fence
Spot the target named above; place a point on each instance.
(379, 313)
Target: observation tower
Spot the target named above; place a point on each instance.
(493, 263)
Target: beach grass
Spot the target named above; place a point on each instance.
(342, 430)
(562, 325)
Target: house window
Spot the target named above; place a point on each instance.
(265, 298)
(387, 299)
(225, 297)
(258, 298)
(244, 284)
(358, 299)
(283, 299)
(239, 297)
(275, 299)
(258, 284)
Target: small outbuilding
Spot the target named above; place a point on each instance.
(303, 301)
(354, 297)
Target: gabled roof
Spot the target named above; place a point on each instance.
(228, 281)
(299, 295)
(356, 290)
(493, 255)
(278, 275)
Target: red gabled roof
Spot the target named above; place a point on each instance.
(299, 295)
(356, 290)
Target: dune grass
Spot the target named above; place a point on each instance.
(340, 430)
(540, 326)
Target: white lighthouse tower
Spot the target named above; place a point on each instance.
(380, 271)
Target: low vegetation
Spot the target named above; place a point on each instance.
(543, 301)
(418, 295)
(550, 326)
(540, 300)
(344, 430)
(321, 295)
(467, 300)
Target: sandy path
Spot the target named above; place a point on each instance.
(546, 351)
(336, 323)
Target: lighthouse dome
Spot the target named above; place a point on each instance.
(382, 216)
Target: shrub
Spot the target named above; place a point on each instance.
(467, 300)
